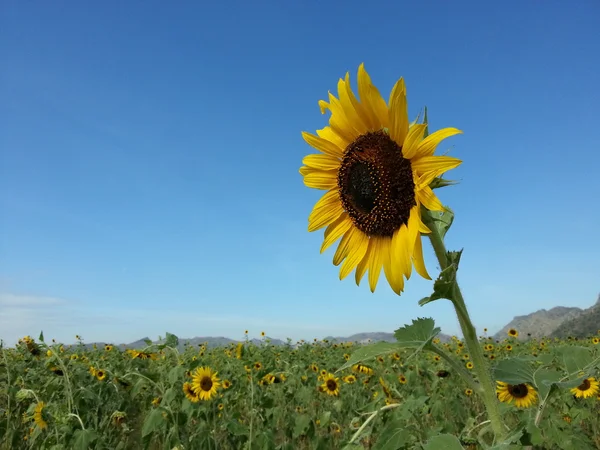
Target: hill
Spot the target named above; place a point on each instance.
(559, 319)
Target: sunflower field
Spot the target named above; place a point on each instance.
(319, 395)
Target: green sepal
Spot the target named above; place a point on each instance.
(441, 182)
(441, 220)
(443, 287)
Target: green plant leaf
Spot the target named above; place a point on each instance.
(394, 435)
(369, 352)
(171, 340)
(576, 359)
(301, 425)
(543, 379)
(443, 287)
(514, 371)
(83, 439)
(153, 421)
(443, 442)
(41, 337)
(236, 428)
(442, 220)
(418, 335)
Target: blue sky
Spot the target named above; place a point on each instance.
(150, 153)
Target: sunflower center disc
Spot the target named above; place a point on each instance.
(331, 385)
(585, 385)
(376, 184)
(206, 384)
(519, 391)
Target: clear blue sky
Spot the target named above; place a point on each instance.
(150, 153)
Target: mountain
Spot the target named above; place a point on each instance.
(365, 338)
(544, 322)
(584, 325)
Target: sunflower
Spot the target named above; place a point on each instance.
(468, 392)
(190, 393)
(349, 379)
(509, 347)
(512, 332)
(469, 365)
(38, 416)
(100, 374)
(331, 385)
(588, 388)
(401, 379)
(108, 348)
(226, 384)
(205, 383)
(523, 394)
(378, 172)
(257, 365)
(74, 357)
(221, 406)
(595, 341)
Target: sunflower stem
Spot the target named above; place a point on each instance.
(481, 368)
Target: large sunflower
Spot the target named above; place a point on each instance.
(523, 394)
(205, 383)
(377, 170)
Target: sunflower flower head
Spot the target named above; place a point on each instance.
(205, 383)
(378, 172)
(331, 385)
(523, 394)
(588, 388)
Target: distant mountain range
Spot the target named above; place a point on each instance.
(560, 321)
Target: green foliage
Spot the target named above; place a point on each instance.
(418, 335)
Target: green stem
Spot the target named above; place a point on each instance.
(481, 369)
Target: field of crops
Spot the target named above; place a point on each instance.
(54, 396)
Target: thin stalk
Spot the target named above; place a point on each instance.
(481, 369)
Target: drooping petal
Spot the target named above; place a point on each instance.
(358, 248)
(325, 211)
(352, 237)
(427, 146)
(335, 231)
(418, 260)
(321, 162)
(398, 113)
(371, 99)
(437, 164)
(392, 273)
(320, 179)
(415, 135)
(323, 145)
(427, 197)
(375, 262)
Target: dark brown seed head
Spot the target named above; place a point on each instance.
(376, 184)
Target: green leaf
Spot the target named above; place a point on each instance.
(507, 444)
(236, 428)
(426, 122)
(543, 379)
(514, 371)
(369, 352)
(171, 340)
(153, 421)
(442, 220)
(83, 439)
(176, 374)
(441, 182)
(576, 359)
(325, 417)
(393, 436)
(41, 337)
(418, 335)
(301, 425)
(148, 342)
(443, 287)
(443, 442)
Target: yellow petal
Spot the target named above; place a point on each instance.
(392, 273)
(436, 164)
(427, 197)
(375, 261)
(335, 231)
(324, 106)
(415, 135)
(361, 269)
(339, 122)
(322, 162)
(399, 256)
(398, 113)
(418, 260)
(428, 145)
(357, 249)
(323, 145)
(354, 120)
(371, 99)
(325, 211)
(328, 134)
(412, 232)
(364, 115)
(320, 179)
(344, 247)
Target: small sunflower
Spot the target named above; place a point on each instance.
(221, 406)
(100, 374)
(108, 348)
(262, 333)
(468, 392)
(595, 341)
(509, 348)
(469, 365)
(402, 379)
(588, 388)
(190, 393)
(523, 394)
(226, 384)
(512, 332)
(205, 383)
(331, 385)
(74, 357)
(349, 379)
(377, 171)
(257, 365)
(38, 416)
